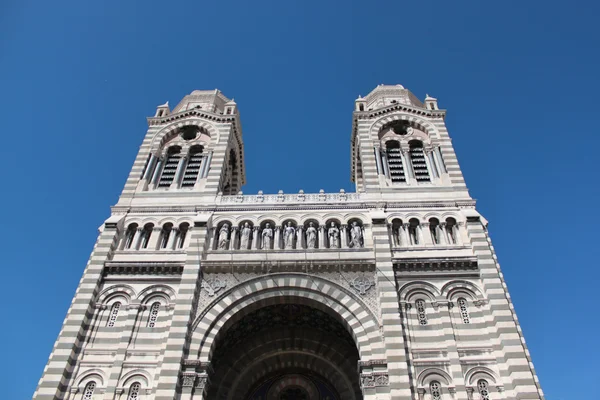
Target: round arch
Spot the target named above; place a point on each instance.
(294, 288)
(413, 121)
(169, 131)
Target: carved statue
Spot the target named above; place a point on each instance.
(245, 236)
(311, 236)
(334, 236)
(223, 237)
(288, 235)
(267, 236)
(356, 236)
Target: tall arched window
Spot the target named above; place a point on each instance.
(88, 392)
(451, 230)
(193, 167)
(436, 390)
(153, 317)
(482, 387)
(114, 313)
(420, 306)
(417, 159)
(165, 235)
(134, 391)
(394, 159)
(170, 168)
(183, 230)
(146, 233)
(434, 225)
(413, 231)
(464, 311)
(130, 235)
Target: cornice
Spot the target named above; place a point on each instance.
(194, 112)
(143, 267)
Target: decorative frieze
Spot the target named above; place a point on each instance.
(213, 285)
(374, 379)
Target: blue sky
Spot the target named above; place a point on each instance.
(519, 80)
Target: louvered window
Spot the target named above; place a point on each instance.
(420, 305)
(114, 313)
(464, 311)
(88, 392)
(193, 167)
(484, 391)
(417, 158)
(395, 165)
(134, 392)
(170, 168)
(436, 390)
(153, 315)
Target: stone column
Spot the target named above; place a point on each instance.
(277, 238)
(155, 236)
(408, 171)
(441, 232)
(233, 238)
(172, 238)
(321, 236)
(405, 234)
(470, 393)
(425, 234)
(344, 236)
(206, 163)
(300, 238)
(378, 159)
(135, 243)
(438, 152)
(178, 173)
(384, 161)
(421, 393)
(213, 237)
(434, 167)
(150, 167)
(157, 171)
(255, 236)
(461, 234)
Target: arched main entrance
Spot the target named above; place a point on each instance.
(284, 351)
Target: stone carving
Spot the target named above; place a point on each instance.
(361, 284)
(187, 379)
(213, 285)
(311, 236)
(223, 237)
(201, 382)
(245, 236)
(267, 236)
(288, 235)
(334, 236)
(375, 379)
(356, 236)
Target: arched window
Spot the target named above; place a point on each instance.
(193, 167)
(436, 390)
(451, 230)
(482, 387)
(130, 235)
(398, 232)
(420, 305)
(417, 159)
(165, 235)
(146, 233)
(464, 311)
(88, 392)
(413, 231)
(134, 391)
(183, 230)
(170, 168)
(114, 313)
(394, 159)
(153, 317)
(434, 225)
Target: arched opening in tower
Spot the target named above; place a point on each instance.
(284, 352)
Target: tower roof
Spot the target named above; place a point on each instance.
(210, 100)
(384, 95)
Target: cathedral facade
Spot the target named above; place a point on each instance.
(195, 290)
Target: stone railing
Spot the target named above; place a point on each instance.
(299, 197)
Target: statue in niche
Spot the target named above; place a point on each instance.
(311, 236)
(288, 235)
(356, 236)
(334, 236)
(223, 237)
(267, 236)
(245, 236)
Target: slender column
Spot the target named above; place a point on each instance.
(150, 168)
(157, 172)
(207, 165)
(135, 243)
(460, 233)
(255, 235)
(72, 393)
(202, 167)
(441, 231)
(434, 167)
(178, 173)
(321, 236)
(277, 238)
(428, 165)
(172, 238)
(408, 171)
(421, 393)
(154, 238)
(300, 238)
(386, 170)
(425, 234)
(213, 237)
(378, 158)
(233, 238)
(344, 236)
(438, 153)
(470, 393)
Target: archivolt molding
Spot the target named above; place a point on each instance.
(454, 288)
(481, 372)
(151, 292)
(123, 290)
(360, 319)
(434, 374)
(415, 122)
(162, 137)
(93, 374)
(411, 290)
(137, 375)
